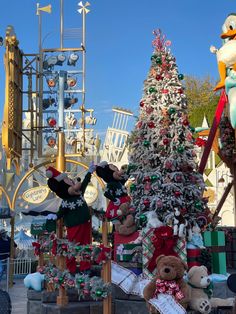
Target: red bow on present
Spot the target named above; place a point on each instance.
(169, 287)
(164, 242)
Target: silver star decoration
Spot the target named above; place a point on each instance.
(64, 204)
(83, 7)
(79, 202)
(72, 205)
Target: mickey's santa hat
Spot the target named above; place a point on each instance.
(53, 173)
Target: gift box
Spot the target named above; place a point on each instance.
(149, 249)
(215, 241)
(193, 256)
(130, 252)
(121, 239)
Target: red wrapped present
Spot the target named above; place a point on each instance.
(121, 239)
(193, 256)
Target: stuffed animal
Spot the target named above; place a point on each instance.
(180, 223)
(200, 291)
(118, 210)
(196, 238)
(73, 209)
(169, 279)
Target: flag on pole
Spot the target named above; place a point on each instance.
(47, 9)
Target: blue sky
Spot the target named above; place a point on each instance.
(119, 36)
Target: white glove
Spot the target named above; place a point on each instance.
(91, 168)
(117, 202)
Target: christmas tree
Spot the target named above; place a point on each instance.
(162, 157)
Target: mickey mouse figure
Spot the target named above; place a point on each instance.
(73, 209)
(118, 210)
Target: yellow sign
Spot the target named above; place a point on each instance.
(91, 194)
(36, 195)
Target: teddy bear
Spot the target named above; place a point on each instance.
(200, 291)
(168, 279)
(118, 211)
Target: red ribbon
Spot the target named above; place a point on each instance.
(164, 243)
(37, 247)
(169, 287)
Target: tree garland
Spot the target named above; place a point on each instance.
(93, 287)
(98, 254)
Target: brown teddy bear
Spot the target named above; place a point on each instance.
(200, 291)
(169, 279)
(126, 224)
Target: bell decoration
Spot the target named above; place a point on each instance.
(51, 121)
(51, 141)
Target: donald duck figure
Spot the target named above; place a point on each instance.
(226, 55)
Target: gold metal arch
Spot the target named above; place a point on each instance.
(44, 164)
(7, 196)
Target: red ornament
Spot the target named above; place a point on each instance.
(165, 91)
(146, 179)
(158, 77)
(151, 124)
(177, 193)
(180, 91)
(142, 103)
(146, 203)
(149, 109)
(82, 285)
(165, 141)
(139, 124)
(186, 122)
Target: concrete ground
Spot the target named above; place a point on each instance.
(18, 295)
